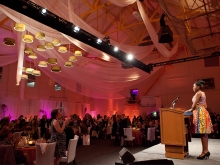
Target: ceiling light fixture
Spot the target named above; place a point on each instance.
(55, 68)
(52, 61)
(20, 27)
(42, 64)
(9, 42)
(76, 29)
(28, 38)
(99, 41)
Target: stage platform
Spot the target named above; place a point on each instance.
(195, 148)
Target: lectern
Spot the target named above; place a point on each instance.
(174, 132)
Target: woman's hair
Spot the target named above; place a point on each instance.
(200, 84)
(54, 113)
(5, 132)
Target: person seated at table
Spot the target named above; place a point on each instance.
(6, 138)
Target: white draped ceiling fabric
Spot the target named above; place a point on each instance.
(92, 78)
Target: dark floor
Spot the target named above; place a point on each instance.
(101, 152)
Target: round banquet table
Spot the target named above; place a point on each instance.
(138, 136)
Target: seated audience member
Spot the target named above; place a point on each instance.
(6, 138)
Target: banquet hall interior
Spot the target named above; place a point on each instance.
(102, 60)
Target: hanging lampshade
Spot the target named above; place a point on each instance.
(28, 38)
(48, 45)
(72, 58)
(68, 64)
(28, 50)
(42, 64)
(62, 49)
(40, 36)
(9, 41)
(20, 27)
(41, 48)
(55, 68)
(36, 73)
(56, 42)
(52, 61)
(24, 76)
(29, 70)
(78, 53)
(23, 69)
(32, 55)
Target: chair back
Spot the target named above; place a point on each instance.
(128, 133)
(48, 157)
(71, 153)
(16, 135)
(151, 134)
(7, 155)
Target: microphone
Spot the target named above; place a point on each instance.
(174, 102)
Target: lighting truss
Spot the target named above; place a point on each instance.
(52, 20)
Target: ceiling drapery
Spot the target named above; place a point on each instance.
(92, 78)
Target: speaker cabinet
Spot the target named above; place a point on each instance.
(165, 35)
(126, 156)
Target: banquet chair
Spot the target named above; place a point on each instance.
(128, 136)
(150, 136)
(7, 155)
(71, 151)
(48, 157)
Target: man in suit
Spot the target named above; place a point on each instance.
(43, 126)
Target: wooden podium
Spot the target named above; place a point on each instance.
(174, 132)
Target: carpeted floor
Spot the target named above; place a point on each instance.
(101, 152)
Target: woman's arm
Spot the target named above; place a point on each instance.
(57, 126)
(195, 101)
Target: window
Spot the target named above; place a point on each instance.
(1, 68)
(31, 81)
(57, 87)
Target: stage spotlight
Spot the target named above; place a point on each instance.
(115, 49)
(130, 57)
(107, 39)
(76, 29)
(99, 41)
(43, 11)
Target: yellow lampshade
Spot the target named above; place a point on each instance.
(56, 42)
(9, 41)
(55, 68)
(62, 49)
(40, 36)
(24, 76)
(29, 70)
(52, 61)
(28, 38)
(28, 50)
(36, 73)
(41, 48)
(20, 27)
(23, 69)
(32, 55)
(72, 59)
(68, 64)
(49, 45)
(78, 53)
(42, 64)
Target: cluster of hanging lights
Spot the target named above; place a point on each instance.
(27, 38)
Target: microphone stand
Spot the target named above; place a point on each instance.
(174, 102)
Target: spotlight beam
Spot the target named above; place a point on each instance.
(52, 20)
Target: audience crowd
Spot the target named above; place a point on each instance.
(97, 127)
